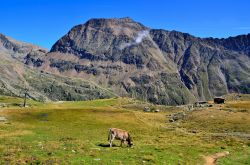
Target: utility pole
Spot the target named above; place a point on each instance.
(25, 97)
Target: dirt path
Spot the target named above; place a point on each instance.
(211, 159)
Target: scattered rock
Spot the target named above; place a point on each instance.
(49, 153)
(200, 103)
(190, 107)
(177, 116)
(2, 105)
(3, 119)
(232, 134)
(59, 102)
(147, 109)
(157, 110)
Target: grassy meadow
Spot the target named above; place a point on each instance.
(77, 133)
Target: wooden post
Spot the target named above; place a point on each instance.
(25, 97)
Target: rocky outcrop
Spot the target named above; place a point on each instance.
(15, 77)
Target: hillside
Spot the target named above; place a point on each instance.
(208, 67)
(15, 76)
(163, 67)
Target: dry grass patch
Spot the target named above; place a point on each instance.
(5, 134)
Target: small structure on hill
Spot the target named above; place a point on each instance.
(219, 100)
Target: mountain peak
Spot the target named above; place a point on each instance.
(19, 49)
(3, 37)
(101, 33)
(115, 25)
(102, 21)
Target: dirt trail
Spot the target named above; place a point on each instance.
(211, 159)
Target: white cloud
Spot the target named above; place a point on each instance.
(141, 35)
(137, 40)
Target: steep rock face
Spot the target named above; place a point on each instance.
(208, 67)
(163, 67)
(110, 40)
(15, 76)
(119, 54)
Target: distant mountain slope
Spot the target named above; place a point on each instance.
(208, 67)
(118, 54)
(163, 67)
(15, 76)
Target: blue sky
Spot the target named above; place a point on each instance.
(43, 22)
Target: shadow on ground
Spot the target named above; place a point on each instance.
(106, 145)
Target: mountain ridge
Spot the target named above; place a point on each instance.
(16, 76)
(156, 65)
(185, 52)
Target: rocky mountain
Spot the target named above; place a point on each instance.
(15, 77)
(208, 67)
(163, 67)
(120, 55)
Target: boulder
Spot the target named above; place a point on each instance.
(177, 116)
(147, 109)
(3, 119)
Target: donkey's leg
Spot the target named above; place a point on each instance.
(111, 140)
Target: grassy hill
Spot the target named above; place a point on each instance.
(76, 132)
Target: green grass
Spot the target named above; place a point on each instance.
(18, 101)
(76, 133)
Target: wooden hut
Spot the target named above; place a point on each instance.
(219, 100)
